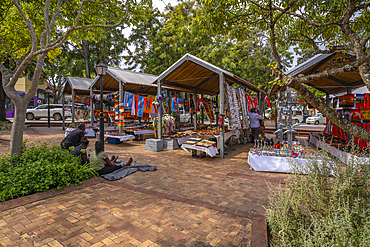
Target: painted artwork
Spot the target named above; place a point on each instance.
(367, 101)
(347, 100)
(360, 101)
(365, 115)
(356, 115)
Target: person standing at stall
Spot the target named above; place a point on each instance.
(254, 118)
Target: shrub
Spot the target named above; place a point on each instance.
(322, 210)
(38, 169)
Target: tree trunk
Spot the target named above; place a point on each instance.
(86, 54)
(2, 102)
(16, 138)
(334, 117)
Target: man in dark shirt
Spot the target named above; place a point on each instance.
(81, 151)
(74, 138)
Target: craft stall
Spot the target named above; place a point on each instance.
(223, 95)
(281, 158)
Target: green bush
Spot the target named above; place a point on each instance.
(327, 207)
(40, 168)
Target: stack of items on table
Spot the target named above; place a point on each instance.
(200, 147)
(281, 150)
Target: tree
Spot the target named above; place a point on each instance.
(44, 32)
(309, 27)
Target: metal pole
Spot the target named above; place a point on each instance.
(73, 106)
(196, 113)
(63, 113)
(101, 131)
(221, 109)
(91, 107)
(290, 137)
(159, 112)
(120, 102)
(202, 110)
(48, 110)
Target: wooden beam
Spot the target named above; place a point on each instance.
(187, 87)
(343, 83)
(206, 80)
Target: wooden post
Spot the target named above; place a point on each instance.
(63, 113)
(221, 109)
(92, 107)
(120, 103)
(217, 111)
(159, 112)
(73, 106)
(195, 104)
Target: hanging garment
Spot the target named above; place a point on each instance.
(207, 104)
(130, 99)
(133, 106)
(234, 122)
(125, 98)
(147, 105)
(243, 104)
(140, 109)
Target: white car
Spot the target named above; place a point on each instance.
(41, 111)
(316, 119)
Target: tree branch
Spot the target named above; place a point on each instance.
(291, 81)
(364, 40)
(28, 24)
(7, 49)
(334, 117)
(82, 5)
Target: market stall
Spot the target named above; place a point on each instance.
(196, 76)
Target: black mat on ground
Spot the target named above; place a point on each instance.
(127, 170)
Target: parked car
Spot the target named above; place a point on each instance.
(42, 111)
(316, 119)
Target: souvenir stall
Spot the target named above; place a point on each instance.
(355, 108)
(130, 101)
(193, 75)
(334, 140)
(78, 88)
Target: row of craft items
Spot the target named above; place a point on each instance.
(235, 101)
(282, 150)
(356, 108)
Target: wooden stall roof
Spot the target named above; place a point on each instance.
(79, 85)
(332, 84)
(133, 82)
(190, 73)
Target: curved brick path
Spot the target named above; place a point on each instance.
(186, 202)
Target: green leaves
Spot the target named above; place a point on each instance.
(38, 169)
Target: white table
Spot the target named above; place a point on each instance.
(211, 151)
(181, 140)
(263, 163)
(341, 155)
(88, 132)
(121, 138)
(227, 135)
(142, 132)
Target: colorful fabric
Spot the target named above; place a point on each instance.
(147, 105)
(125, 98)
(243, 104)
(130, 100)
(207, 104)
(140, 109)
(262, 135)
(155, 126)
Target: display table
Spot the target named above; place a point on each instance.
(341, 155)
(143, 132)
(263, 163)
(88, 132)
(112, 139)
(181, 140)
(227, 135)
(211, 151)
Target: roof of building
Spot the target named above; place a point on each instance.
(80, 85)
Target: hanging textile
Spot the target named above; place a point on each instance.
(207, 104)
(191, 104)
(140, 109)
(234, 122)
(133, 106)
(147, 105)
(243, 104)
(130, 99)
(267, 100)
(250, 103)
(125, 98)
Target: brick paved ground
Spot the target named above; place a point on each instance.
(186, 202)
